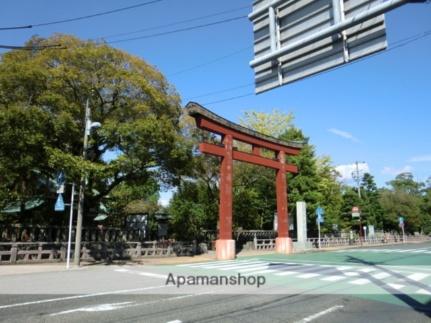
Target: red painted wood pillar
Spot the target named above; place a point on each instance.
(283, 242)
(225, 246)
(225, 209)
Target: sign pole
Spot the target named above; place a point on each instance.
(318, 229)
(69, 241)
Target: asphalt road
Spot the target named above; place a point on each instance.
(379, 284)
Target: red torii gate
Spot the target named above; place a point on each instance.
(205, 119)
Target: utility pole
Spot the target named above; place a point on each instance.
(77, 255)
(357, 177)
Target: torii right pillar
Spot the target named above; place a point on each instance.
(283, 243)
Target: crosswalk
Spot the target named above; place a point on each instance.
(369, 250)
(412, 281)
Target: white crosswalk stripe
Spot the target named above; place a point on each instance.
(333, 278)
(416, 251)
(308, 275)
(287, 273)
(396, 286)
(381, 275)
(360, 281)
(417, 276)
(355, 275)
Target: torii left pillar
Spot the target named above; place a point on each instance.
(283, 243)
(225, 245)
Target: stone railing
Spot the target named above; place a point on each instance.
(264, 244)
(386, 239)
(36, 233)
(36, 252)
(269, 244)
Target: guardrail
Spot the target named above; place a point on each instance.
(36, 252)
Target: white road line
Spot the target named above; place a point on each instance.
(308, 275)
(267, 270)
(423, 292)
(287, 273)
(396, 286)
(239, 265)
(333, 278)
(108, 308)
(248, 269)
(317, 315)
(367, 270)
(141, 273)
(246, 266)
(206, 263)
(351, 273)
(60, 299)
(152, 275)
(381, 275)
(360, 281)
(417, 276)
(175, 321)
(220, 265)
(97, 308)
(344, 267)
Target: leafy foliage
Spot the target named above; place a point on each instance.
(42, 98)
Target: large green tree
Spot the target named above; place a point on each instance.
(403, 198)
(42, 99)
(370, 206)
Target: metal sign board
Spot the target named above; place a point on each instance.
(60, 178)
(294, 39)
(59, 204)
(356, 214)
(319, 214)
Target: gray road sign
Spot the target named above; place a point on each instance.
(296, 39)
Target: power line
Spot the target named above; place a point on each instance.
(177, 30)
(16, 27)
(230, 99)
(98, 14)
(220, 91)
(177, 22)
(215, 60)
(56, 46)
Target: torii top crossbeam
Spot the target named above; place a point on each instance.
(229, 132)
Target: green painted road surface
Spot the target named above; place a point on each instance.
(399, 274)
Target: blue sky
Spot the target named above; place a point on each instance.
(377, 111)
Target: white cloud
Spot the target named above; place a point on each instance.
(347, 170)
(344, 134)
(396, 171)
(165, 197)
(423, 158)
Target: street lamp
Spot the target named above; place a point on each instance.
(88, 126)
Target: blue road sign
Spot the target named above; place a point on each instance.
(59, 204)
(60, 179)
(401, 220)
(319, 213)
